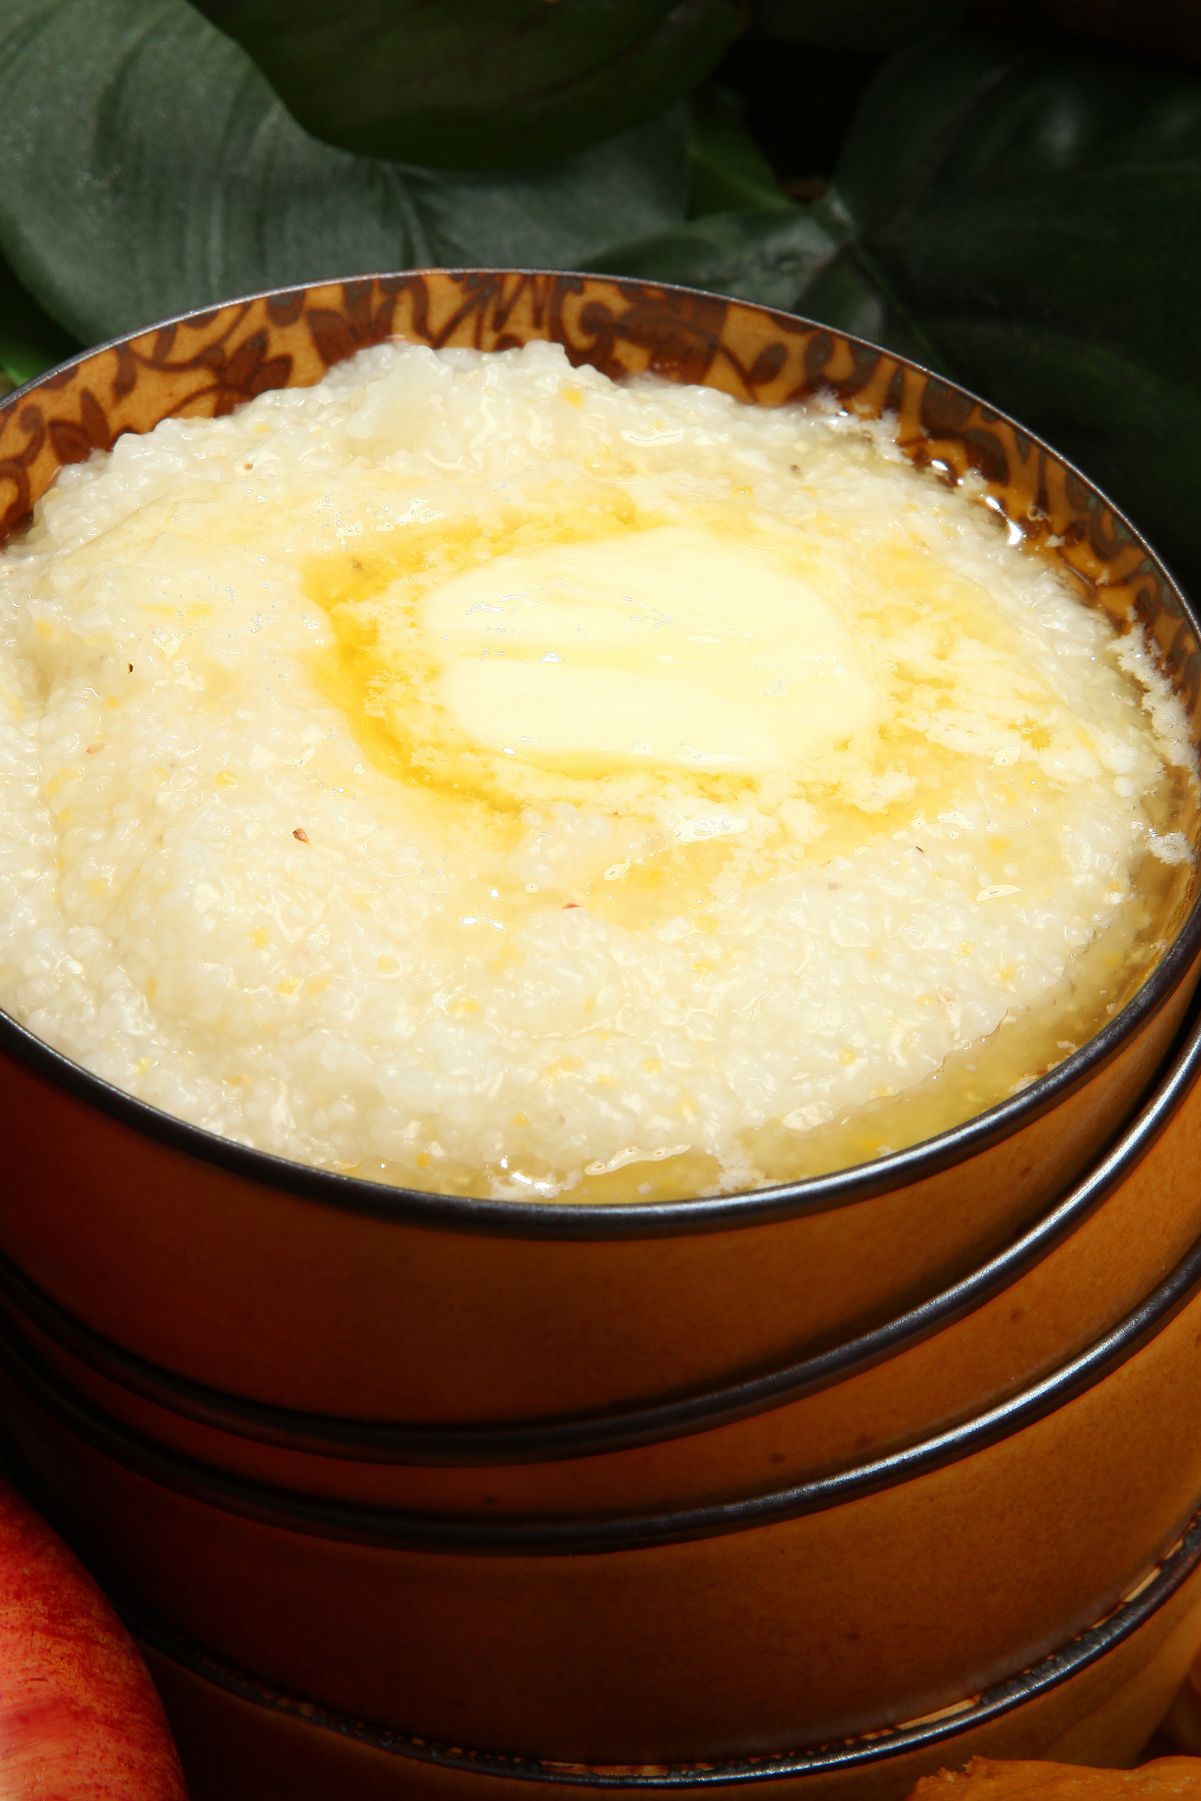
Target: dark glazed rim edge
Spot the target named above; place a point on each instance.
(1141, 1603)
(527, 1441)
(373, 1525)
(580, 1220)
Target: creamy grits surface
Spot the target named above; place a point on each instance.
(474, 774)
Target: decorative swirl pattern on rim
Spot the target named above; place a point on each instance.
(210, 362)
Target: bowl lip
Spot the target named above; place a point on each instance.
(584, 1220)
(379, 1526)
(508, 1442)
(1141, 1602)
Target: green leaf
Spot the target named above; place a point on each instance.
(1034, 209)
(770, 257)
(30, 341)
(727, 168)
(802, 259)
(148, 168)
(476, 84)
(1026, 220)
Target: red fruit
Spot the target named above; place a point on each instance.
(80, 1719)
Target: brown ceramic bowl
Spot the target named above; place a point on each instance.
(326, 1295)
(1095, 1700)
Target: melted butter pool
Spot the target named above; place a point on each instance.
(735, 693)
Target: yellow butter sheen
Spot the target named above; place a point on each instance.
(669, 647)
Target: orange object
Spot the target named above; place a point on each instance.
(1167, 1779)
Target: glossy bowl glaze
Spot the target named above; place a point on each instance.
(331, 1296)
(795, 1614)
(1046, 1296)
(1096, 1699)
(1181, 1729)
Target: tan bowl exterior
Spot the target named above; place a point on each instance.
(241, 1741)
(1130, 1229)
(1182, 1726)
(321, 1294)
(763, 1629)
(406, 1318)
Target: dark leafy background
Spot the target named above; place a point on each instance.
(1014, 204)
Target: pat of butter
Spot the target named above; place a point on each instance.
(672, 646)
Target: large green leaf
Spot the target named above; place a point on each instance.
(1026, 218)
(1036, 208)
(148, 167)
(476, 84)
(769, 256)
(727, 169)
(30, 341)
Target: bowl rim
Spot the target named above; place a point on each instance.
(699, 1409)
(584, 1220)
(1137, 1606)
